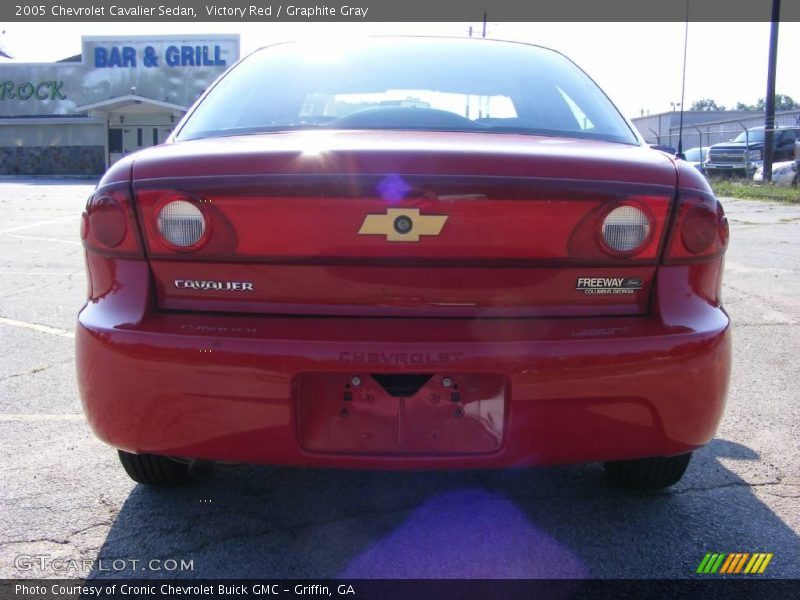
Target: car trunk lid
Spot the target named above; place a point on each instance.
(403, 224)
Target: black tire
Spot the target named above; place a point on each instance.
(648, 473)
(152, 469)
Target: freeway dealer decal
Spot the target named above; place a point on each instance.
(608, 285)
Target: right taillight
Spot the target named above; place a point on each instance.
(700, 229)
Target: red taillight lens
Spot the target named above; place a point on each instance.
(109, 225)
(107, 221)
(700, 231)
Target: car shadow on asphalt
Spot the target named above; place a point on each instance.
(249, 521)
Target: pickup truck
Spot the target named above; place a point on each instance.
(742, 155)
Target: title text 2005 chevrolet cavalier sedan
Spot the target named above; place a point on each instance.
(404, 254)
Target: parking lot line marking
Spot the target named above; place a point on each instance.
(37, 327)
(38, 223)
(42, 417)
(41, 239)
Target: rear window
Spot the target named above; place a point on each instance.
(412, 83)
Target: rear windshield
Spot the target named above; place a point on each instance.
(412, 84)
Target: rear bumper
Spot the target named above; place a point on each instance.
(223, 387)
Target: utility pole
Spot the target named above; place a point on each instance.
(769, 119)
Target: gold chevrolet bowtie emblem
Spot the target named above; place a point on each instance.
(402, 225)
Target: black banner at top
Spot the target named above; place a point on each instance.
(398, 10)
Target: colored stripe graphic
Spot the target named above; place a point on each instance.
(761, 561)
(717, 563)
(703, 563)
(753, 562)
(729, 562)
(708, 563)
(711, 562)
(741, 562)
(764, 564)
(737, 558)
(734, 563)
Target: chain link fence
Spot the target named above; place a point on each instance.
(715, 132)
(741, 160)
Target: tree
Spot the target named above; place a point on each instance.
(706, 104)
(782, 102)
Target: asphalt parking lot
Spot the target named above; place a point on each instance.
(63, 494)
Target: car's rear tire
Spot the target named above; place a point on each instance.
(152, 469)
(648, 473)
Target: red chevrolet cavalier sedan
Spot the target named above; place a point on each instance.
(404, 254)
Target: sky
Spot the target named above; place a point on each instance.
(638, 65)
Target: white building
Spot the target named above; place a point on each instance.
(79, 115)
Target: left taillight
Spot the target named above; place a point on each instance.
(109, 225)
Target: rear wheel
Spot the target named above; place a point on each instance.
(152, 469)
(648, 473)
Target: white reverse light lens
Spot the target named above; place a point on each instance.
(181, 223)
(625, 229)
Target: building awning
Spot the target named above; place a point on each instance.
(131, 103)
